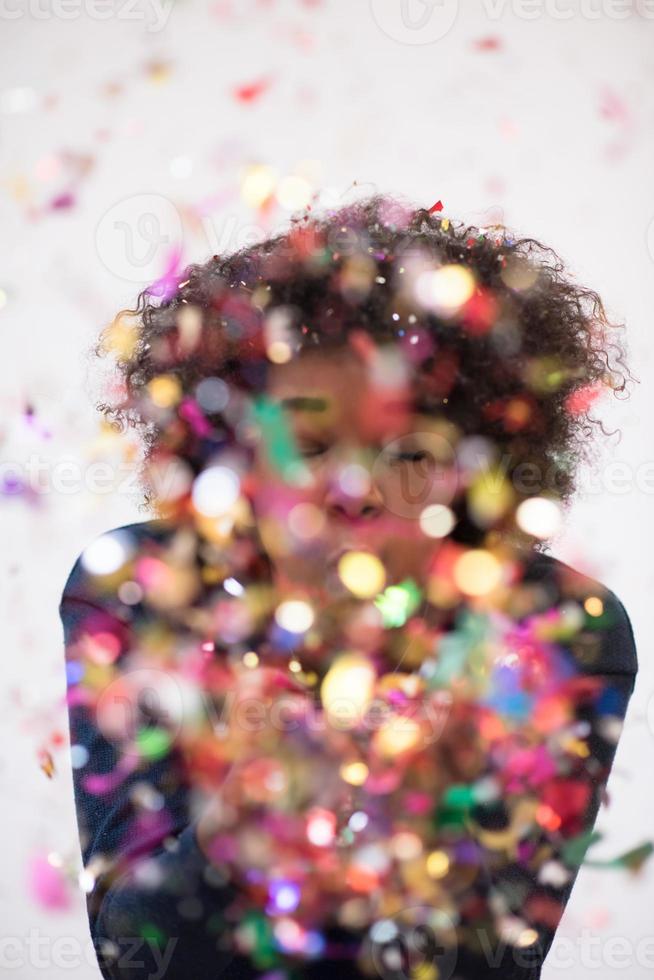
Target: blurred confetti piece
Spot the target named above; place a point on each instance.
(62, 202)
(166, 285)
(280, 443)
(158, 71)
(47, 883)
(580, 401)
(633, 860)
(46, 763)
(33, 423)
(490, 43)
(613, 107)
(251, 91)
(617, 111)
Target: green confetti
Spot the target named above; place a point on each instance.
(462, 651)
(397, 602)
(573, 851)
(633, 860)
(153, 934)
(279, 440)
(153, 743)
(452, 657)
(455, 807)
(263, 953)
(346, 836)
(461, 796)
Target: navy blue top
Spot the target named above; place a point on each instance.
(157, 908)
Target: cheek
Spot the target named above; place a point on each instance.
(291, 519)
(271, 495)
(407, 492)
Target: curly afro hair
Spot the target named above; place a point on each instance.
(504, 343)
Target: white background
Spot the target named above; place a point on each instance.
(550, 131)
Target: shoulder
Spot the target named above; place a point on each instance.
(91, 596)
(105, 554)
(606, 643)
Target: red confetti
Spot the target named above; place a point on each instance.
(568, 798)
(580, 401)
(479, 313)
(545, 909)
(490, 43)
(252, 91)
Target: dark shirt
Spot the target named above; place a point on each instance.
(157, 906)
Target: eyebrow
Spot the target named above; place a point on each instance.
(304, 403)
(311, 403)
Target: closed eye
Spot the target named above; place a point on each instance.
(313, 451)
(410, 456)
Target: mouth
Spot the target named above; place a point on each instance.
(335, 555)
(333, 583)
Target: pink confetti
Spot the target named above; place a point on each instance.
(166, 285)
(47, 884)
(62, 202)
(191, 411)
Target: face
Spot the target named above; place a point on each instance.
(371, 464)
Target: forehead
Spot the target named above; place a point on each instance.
(318, 380)
(342, 391)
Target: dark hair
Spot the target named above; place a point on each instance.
(520, 362)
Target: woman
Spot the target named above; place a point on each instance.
(358, 436)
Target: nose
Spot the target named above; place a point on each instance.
(352, 494)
